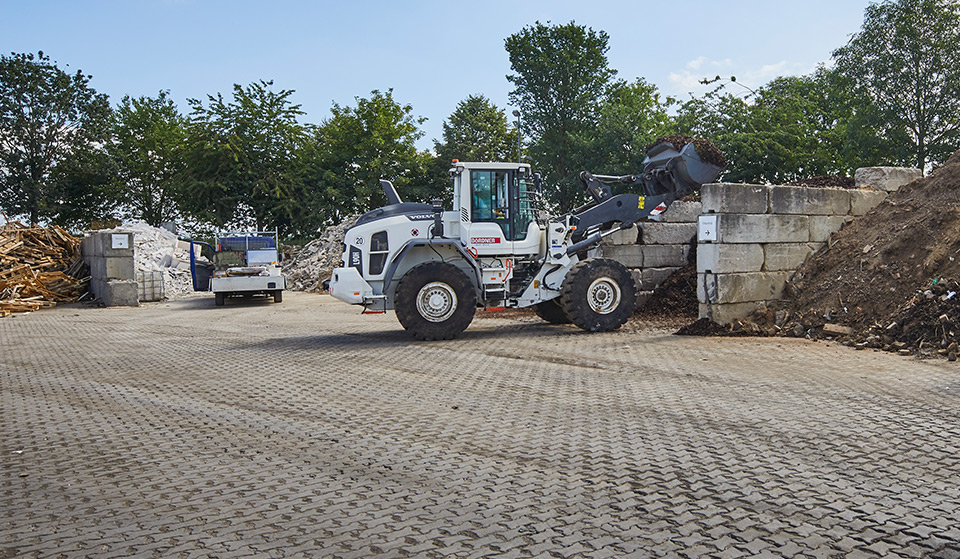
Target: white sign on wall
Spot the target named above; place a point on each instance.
(707, 228)
(119, 240)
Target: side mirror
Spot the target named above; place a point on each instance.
(538, 182)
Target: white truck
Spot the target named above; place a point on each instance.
(243, 264)
(436, 266)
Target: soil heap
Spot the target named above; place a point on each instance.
(313, 263)
(887, 280)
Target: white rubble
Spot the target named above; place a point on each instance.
(316, 260)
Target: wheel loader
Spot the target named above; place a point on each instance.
(494, 249)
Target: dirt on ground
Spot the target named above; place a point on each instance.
(887, 280)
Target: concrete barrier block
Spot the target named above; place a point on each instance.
(821, 226)
(623, 237)
(889, 179)
(753, 228)
(734, 198)
(662, 256)
(655, 233)
(630, 256)
(120, 293)
(637, 276)
(863, 200)
(650, 278)
(682, 212)
(741, 288)
(723, 258)
(119, 267)
(809, 201)
(727, 313)
(785, 256)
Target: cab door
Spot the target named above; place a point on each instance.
(490, 229)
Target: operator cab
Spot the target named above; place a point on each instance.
(495, 202)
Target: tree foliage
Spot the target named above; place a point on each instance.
(50, 121)
(629, 119)
(477, 130)
(561, 77)
(148, 148)
(242, 157)
(906, 59)
(358, 146)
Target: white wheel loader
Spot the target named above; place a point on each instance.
(434, 267)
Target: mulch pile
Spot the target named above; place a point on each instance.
(39, 267)
(708, 152)
(888, 280)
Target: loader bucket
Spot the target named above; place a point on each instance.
(686, 168)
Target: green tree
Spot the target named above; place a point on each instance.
(358, 146)
(906, 60)
(148, 147)
(630, 118)
(242, 159)
(561, 77)
(477, 130)
(47, 118)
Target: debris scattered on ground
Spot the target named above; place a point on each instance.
(826, 181)
(39, 267)
(708, 152)
(316, 260)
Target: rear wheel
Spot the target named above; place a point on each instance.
(552, 312)
(278, 296)
(598, 294)
(219, 299)
(435, 301)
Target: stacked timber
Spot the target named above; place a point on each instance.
(39, 267)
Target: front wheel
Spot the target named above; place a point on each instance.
(598, 294)
(278, 296)
(435, 301)
(219, 299)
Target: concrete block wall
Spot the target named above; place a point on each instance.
(654, 250)
(762, 236)
(109, 254)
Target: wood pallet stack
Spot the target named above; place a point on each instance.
(38, 268)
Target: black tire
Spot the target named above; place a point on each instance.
(447, 301)
(552, 312)
(598, 294)
(219, 299)
(278, 296)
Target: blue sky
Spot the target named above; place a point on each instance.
(432, 53)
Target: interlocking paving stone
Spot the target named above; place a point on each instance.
(303, 429)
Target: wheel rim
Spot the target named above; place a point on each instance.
(436, 301)
(603, 295)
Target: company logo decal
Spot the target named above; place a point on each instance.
(485, 240)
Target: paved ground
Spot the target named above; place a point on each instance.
(306, 430)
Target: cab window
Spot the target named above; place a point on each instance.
(489, 200)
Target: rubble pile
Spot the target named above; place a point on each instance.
(887, 281)
(158, 250)
(39, 267)
(316, 260)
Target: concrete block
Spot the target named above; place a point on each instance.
(637, 275)
(723, 258)
(623, 237)
(655, 233)
(734, 198)
(650, 278)
(119, 267)
(115, 293)
(785, 256)
(741, 288)
(726, 313)
(752, 228)
(889, 179)
(809, 201)
(662, 256)
(821, 226)
(682, 212)
(630, 256)
(863, 200)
